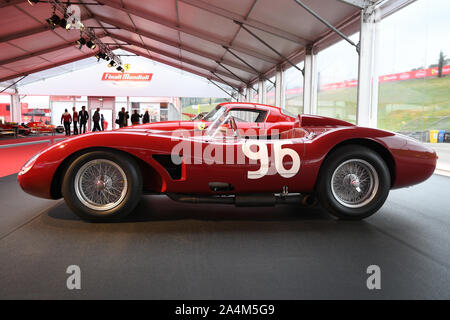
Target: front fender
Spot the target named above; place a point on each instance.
(38, 179)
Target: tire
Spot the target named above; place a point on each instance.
(87, 195)
(337, 186)
(59, 129)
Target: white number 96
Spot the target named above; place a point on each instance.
(263, 156)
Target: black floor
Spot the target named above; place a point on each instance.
(168, 250)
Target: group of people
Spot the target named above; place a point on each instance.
(82, 117)
(100, 124)
(122, 119)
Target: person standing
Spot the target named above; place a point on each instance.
(122, 121)
(66, 118)
(127, 116)
(146, 118)
(96, 119)
(83, 117)
(75, 121)
(102, 122)
(135, 118)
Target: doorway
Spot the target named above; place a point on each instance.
(107, 107)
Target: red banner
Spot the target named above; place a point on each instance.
(118, 76)
(416, 74)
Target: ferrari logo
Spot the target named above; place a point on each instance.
(201, 126)
(126, 67)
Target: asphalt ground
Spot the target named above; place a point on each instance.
(169, 250)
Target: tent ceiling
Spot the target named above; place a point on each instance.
(187, 34)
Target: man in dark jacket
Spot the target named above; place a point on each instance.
(135, 118)
(75, 121)
(146, 118)
(96, 119)
(123, 116)
(83, 117)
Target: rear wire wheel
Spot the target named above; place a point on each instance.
(353, 183)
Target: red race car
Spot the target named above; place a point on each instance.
(41, 127)
(243, 154)
(14, 128)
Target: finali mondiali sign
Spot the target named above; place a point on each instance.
(118, 76)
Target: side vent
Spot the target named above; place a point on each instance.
(165, 160)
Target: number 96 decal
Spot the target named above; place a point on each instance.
(278, 156)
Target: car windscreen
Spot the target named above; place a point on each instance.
(214, 114)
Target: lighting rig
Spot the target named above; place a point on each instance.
(87, 34)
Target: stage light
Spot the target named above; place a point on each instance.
(53, 21)
(65, 24)
(33, 2)
(91, 45)
(119, 68)
(81, 41)
(112, 64)
(101, 55)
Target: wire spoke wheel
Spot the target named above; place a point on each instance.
(354, 183)
(101, 184)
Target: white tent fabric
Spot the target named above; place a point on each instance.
(202, 37)
(165, 81)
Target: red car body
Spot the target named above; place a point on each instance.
(41, 127)
(311, 137)
(12, 127)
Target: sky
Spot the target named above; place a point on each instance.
(410, 38)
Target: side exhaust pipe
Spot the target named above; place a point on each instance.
(247, 200)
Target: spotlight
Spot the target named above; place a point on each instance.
(119, 68)
(101, 55)
(33, 2)
(65, 24)
(81, 41)
(53, 21)
(112, 64)
(91, 45)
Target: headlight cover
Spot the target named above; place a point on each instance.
(29, 164)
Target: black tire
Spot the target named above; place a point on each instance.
(131, 196)
(59, 129)
(375, 199)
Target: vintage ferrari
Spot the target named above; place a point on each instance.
(239, 153)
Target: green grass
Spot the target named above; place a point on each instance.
(194, 109)
(408, 105)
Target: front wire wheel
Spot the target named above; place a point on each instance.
(102, 185)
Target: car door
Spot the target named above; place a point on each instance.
(253, 165)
